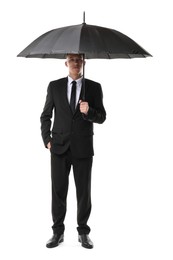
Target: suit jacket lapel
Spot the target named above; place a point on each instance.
(82, 93)
(64, 95)
(80, 98)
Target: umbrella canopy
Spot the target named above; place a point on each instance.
(94, 41)
(90, 40)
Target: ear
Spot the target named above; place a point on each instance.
(66, 64)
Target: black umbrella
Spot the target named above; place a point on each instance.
(90, 40)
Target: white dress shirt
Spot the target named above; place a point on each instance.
(78, 88)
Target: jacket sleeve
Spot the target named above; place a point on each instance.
(96, 112)
(46, 117)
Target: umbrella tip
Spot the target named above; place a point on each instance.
(84, 17)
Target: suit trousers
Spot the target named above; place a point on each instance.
(60, 169)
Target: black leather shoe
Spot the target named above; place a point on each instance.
(85, 241)
(55, 241)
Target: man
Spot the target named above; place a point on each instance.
(71, 144)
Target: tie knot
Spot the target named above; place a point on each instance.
(74, 83)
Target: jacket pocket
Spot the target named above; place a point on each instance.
(57, 138)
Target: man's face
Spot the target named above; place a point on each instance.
(75, 63)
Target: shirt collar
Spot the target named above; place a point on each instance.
(78, 81)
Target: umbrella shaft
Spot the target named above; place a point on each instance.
(83, 97)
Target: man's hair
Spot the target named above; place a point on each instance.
(80, 54)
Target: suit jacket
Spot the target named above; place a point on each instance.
(71, 130)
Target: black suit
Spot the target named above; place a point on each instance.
(71, 140)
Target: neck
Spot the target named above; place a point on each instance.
(75, 77)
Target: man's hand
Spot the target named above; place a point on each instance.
(84, 107)
(49, 145)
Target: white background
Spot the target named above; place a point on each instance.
(132, 172)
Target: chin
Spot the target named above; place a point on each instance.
(76, 71)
